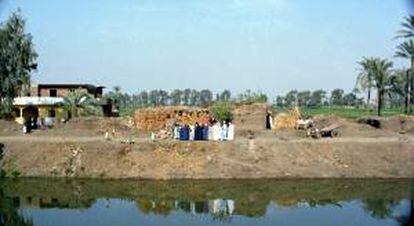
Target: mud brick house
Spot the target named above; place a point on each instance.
(62, 90)
(46, 101)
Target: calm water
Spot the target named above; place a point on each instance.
(246, 202)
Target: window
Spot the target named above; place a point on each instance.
(53, 93)
(52, 113)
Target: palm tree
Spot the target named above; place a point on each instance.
(365, 78)
(408, 28)
(380, 69)
(78, 101)
(406, 50)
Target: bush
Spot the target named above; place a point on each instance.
(222, 111)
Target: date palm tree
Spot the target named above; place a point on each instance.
(365, 78)
(78, 102)
(376, 72)
(406, 50)
(380, 70)
(407, 30)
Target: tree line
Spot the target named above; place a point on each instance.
(396, 85)
(184, 97)
(319, 98)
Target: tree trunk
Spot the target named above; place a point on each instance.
(379, 102)
(407, 93)
(412, 94)
(368, 97)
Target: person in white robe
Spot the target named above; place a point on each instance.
(224, 132)
(176, 135)
(192, 132)
(210, 132)
(230, 133)
(216, 131)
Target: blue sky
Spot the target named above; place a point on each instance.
(268, 45)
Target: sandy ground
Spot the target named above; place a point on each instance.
(78, 149)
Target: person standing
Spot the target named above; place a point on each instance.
(192, 132)
(230, 133)
(176, 134)
(205, 132)
(216, 131)
(224, 131)
(269, 120)
(197, 132)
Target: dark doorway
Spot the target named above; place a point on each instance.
(53, 93)
(30, 112)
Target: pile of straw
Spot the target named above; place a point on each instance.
(154, 119)
(287, 120)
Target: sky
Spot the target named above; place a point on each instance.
(271, 46)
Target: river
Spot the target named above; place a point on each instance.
(212, 202)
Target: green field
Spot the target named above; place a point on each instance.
(344, 112)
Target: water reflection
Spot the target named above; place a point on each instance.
(220, 200)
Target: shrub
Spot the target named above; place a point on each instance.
(222, 111)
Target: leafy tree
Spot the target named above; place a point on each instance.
(217, 97)
(337, 97)
(186, 96)
(249, 97)
(280, 101)
(317, 97)
(163, 98)
(176, 97)
(291, 98)
(350, 99)
(17, 60)
(143, 98)
(304, 98)
(194, 98)
(154, 98)
(225, 96)
(206, 97)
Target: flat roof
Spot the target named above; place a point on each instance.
(69, 85)
(36, 101)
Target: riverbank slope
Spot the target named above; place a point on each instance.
(262, 157)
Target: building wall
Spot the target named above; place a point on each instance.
(43, 113)
(61, 92)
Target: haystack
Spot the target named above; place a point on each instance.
(154, 119)
(287, 120)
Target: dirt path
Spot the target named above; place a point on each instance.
(140, 139)
(63, 139)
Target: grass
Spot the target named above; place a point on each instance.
(345, 112)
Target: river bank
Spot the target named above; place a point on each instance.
(262, 157)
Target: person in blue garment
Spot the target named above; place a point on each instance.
(205, 132)
(197, 132)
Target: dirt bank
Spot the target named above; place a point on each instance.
(259, 158)
(78, 149)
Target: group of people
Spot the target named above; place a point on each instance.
(31, 124)
(215, 131)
